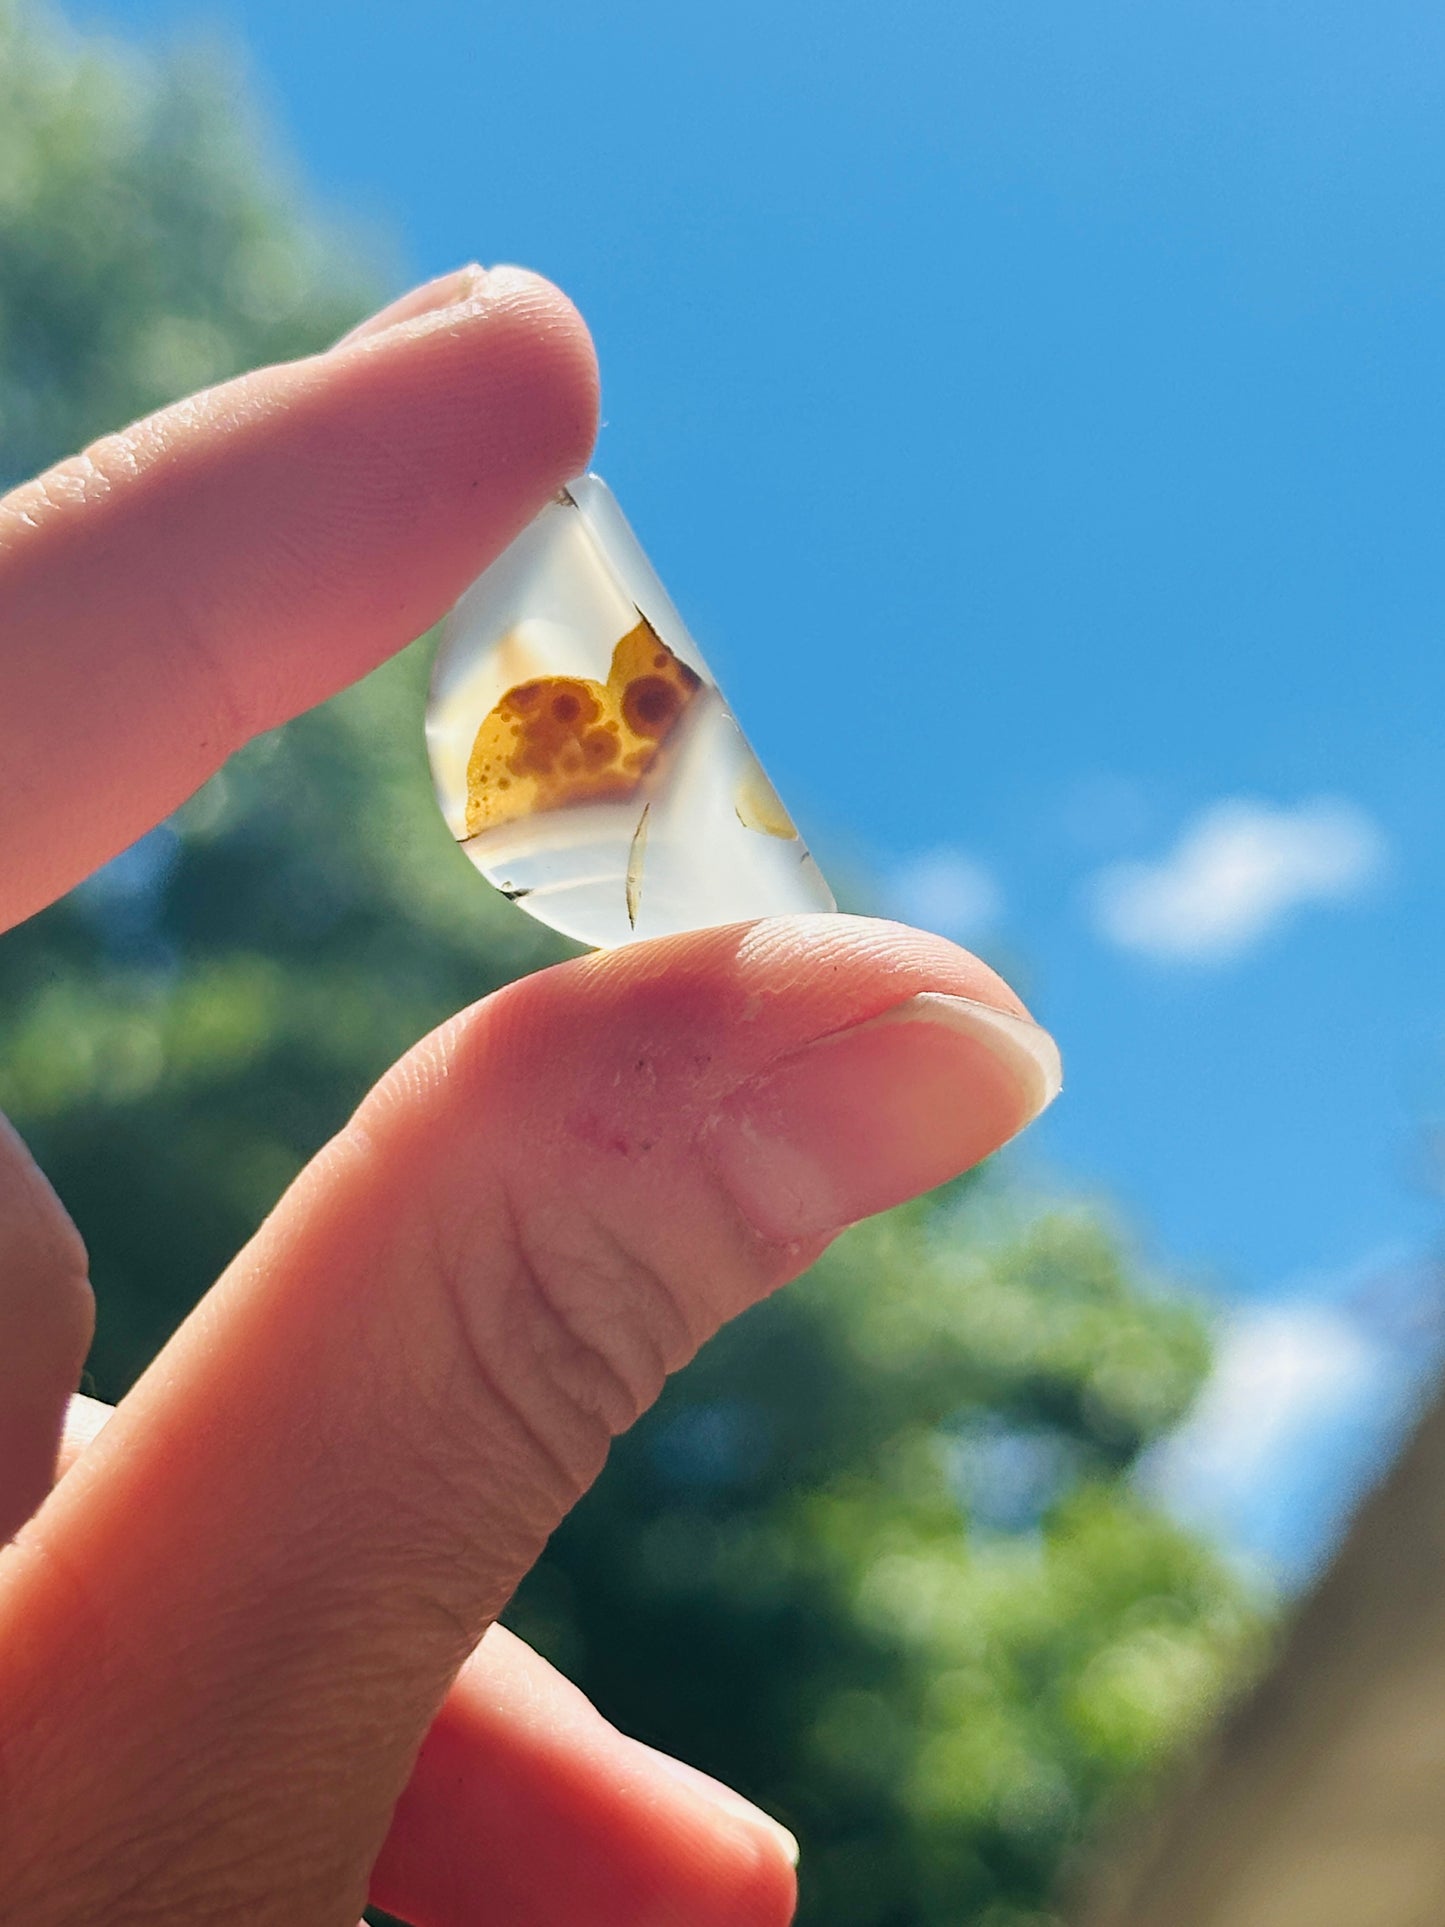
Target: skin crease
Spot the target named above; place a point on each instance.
(227, 1633)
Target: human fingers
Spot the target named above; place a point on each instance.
(526, 1808)
(546, 1206)
(46, 1318)
(209, 572)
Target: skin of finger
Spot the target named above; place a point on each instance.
(232, 1653)
(47, 1315)
(527, 1808)
(210, 572)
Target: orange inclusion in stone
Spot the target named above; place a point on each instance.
(563, 740)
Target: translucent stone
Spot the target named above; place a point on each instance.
(584, 756)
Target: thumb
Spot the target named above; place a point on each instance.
(546, 1207)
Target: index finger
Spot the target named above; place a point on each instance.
(210, 572)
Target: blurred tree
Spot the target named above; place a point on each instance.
(876, 1557)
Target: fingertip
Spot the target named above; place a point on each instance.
(770, 1896)
(507, 334)
(873, 1114)
(527, 1807)
(558, 359)
(555, 362)
(758, 1885)
(879, 948)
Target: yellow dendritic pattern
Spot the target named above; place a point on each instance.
(557, 741)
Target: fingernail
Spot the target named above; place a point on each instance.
(869, 1116)
(724, 1797)
(443, 292)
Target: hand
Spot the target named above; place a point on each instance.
(240, 1672)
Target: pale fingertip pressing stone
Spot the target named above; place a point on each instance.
(584, 756)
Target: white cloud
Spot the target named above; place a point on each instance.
(1238, 871)
(1280, 1371)
(1307, 1403)
(1300, 1408)
(948, 892)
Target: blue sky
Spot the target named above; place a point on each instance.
(1037, 413)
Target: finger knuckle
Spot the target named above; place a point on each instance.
(606, 1323)
(571, 1328)
(73, 486)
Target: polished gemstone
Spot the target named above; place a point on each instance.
(584, 756)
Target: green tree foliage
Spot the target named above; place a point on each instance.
(143, 252)
(876, 1558)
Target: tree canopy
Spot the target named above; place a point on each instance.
(876, 1557)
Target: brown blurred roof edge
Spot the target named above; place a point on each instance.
(1319, 1801)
